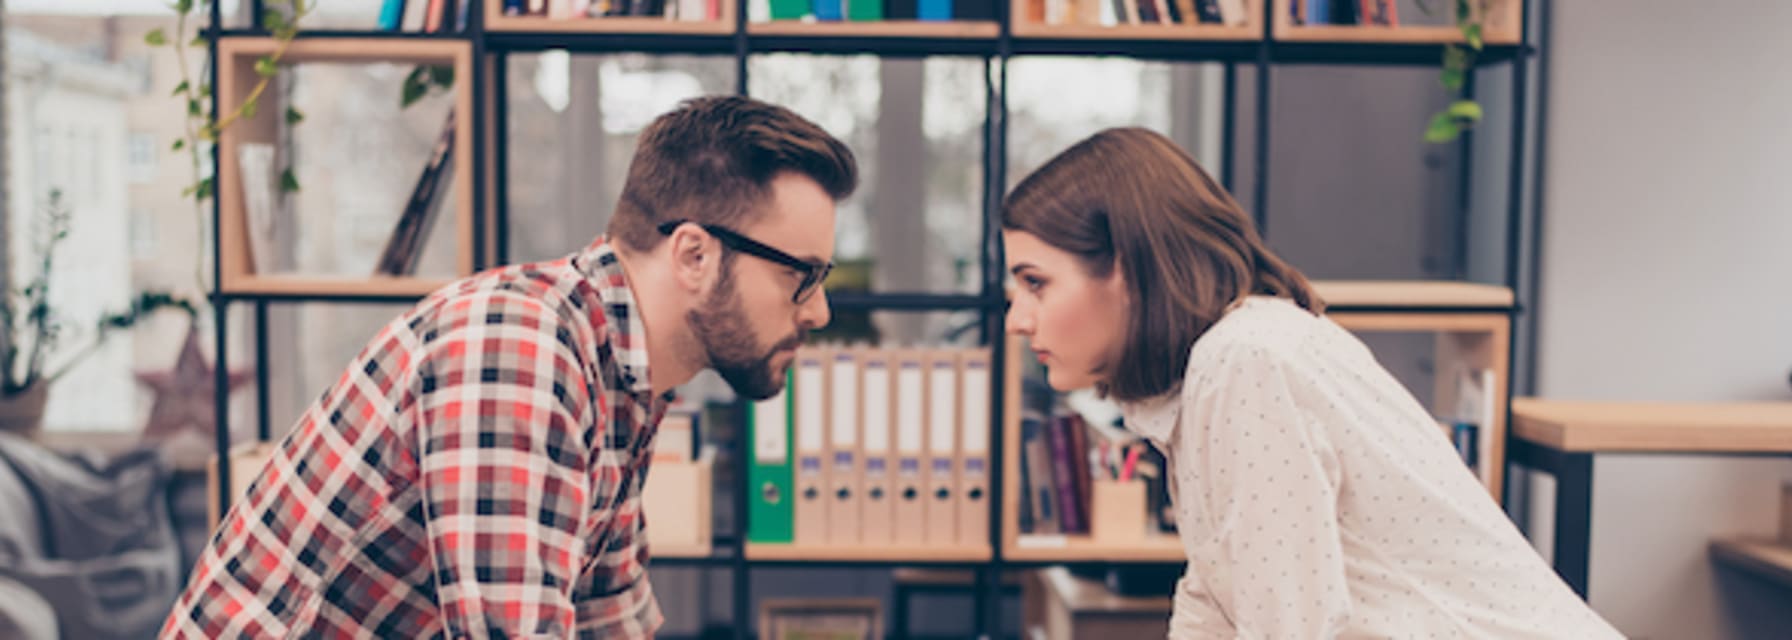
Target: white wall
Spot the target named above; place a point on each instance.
(1666, 276)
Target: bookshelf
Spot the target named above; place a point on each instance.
(962, 29)
(1252, 29)
(237, 77)
(1473, 322)
(496, 21)
(1501, 20)
(883, 554)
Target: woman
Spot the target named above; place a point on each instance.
(1315, 497)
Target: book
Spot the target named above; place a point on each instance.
(901, 10)
(1378, 12)
(391, 15)
(399, 258)
(973, 9)
(789, 9)
(260, 202)
(865, 10)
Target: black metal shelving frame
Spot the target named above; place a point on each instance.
(492, 48)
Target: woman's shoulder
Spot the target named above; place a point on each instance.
(1259, 327)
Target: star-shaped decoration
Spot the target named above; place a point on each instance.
(185, 395)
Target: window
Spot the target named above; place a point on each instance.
(143, 150)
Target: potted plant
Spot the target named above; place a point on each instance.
(34, 337)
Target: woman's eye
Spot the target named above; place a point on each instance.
(1032, 283)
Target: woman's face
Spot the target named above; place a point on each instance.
(1076, 323)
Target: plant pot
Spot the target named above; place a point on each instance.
(23, 413)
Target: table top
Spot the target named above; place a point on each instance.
(1654, 427)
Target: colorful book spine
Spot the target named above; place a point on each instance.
(789, 9)
(933, 9)
(391, 15)
(865, 10)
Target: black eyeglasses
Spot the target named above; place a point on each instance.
(814, 272)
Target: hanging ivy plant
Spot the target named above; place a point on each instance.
(282, 23)
(1462, 113)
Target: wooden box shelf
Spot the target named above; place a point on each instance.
(237, 77)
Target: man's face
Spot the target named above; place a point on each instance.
(749, 325)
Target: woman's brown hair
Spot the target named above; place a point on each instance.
(1130, 197)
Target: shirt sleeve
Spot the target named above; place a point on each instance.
(503, 465)
(1261, 483)
(1194, 615)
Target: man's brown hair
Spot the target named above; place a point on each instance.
(712, 160)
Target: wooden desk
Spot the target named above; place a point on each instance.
(1073, 607)
(1768, 558)
(1561, 438)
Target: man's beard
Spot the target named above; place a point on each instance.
(720, 325)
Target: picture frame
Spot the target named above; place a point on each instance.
(821, 619)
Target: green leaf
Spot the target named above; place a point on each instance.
(250, 107)
(289, 183)
(273, 20)
(156, 37)
(204, 189)
(180, 88)
(1456, 57)
(1443, 129)
(183, 6)
(416, 84)
(1468, 110)
(442, 76)
(179, 144)
(293, 116)
(266, 68)
(1452, 79)
(193, 106)
(1472, 33)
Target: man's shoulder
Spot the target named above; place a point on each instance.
(529, 296)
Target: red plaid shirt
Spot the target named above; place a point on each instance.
(475, 472)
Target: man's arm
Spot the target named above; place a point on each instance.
(504, 465)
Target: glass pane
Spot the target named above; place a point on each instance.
(82, 94)
(358, 156)
(573, 122)
(916, 129)
(1044, 119)
(312, 344)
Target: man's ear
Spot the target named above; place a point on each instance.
(696, 257)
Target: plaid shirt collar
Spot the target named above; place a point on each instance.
(626, 333)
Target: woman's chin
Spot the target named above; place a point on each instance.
(1063, 383)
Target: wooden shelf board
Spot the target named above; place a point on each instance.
(1052, 548)
(619, 24)
(1659, 427)
(325, 286)
(682, 552)
(1083, 595)
(1195, 32)
(1370, 34)
(886, 553)
(877, 29)
(1417, 295)
(1767, 558)
(369, 49)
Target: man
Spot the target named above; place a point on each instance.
(477, 470)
